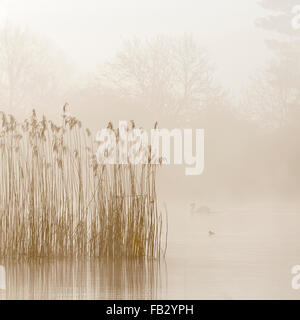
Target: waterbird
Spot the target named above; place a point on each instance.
(201, 210)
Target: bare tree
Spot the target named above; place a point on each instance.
(163, 73)
(32, 73)
(275, 95)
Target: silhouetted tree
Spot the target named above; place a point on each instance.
(275, 95)
(32, 73)
(171, 75)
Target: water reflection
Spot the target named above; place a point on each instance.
(65, 279)
(2, 278)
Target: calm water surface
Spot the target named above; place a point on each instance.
(249, 257)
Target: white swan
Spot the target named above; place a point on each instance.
(200, 210)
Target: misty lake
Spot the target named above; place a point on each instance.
(249, 256)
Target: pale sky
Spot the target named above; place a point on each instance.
(90, 31)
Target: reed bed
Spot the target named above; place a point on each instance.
(57, 200)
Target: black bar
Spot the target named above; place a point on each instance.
(155, 309)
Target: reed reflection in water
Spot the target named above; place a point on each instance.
(91, 279)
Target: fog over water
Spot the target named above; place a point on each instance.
(229, 67)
